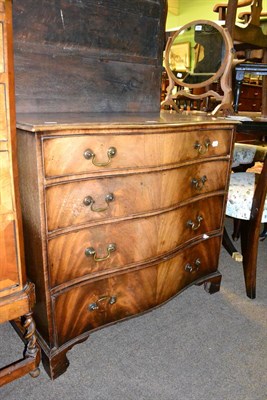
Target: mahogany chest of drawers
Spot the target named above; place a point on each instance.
(120, 214)
(250, 98)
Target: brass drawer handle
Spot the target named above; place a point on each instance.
(202, 149)
(89, 201)
(95, 306)
(195, 225)
(90, 251)
(198, 184)
(193, 268)
(90, 155)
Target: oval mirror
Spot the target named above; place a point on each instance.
(196, 55)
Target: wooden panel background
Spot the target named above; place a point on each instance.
(88, 56)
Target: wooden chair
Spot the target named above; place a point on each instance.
(247, 204)
(245, 16)
(247, 37)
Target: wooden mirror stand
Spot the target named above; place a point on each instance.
(195, 80)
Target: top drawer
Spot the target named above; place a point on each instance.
(85, 154)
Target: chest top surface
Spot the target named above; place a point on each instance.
(51, 122)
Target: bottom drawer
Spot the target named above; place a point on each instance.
(94, 304)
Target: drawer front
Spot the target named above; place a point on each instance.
(111, 299)
(250, 105)
(101, 199)
(250, 92)
(71, 256)
(67, 155)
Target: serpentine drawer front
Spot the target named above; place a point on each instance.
(100, 302)
(121, 196)
(90, 250)
(118, 217)
(93, 153)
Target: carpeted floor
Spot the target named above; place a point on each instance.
(196, 347)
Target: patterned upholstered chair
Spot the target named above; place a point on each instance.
(247, 205)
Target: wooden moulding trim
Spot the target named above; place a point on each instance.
(17, 304)
(114, 124)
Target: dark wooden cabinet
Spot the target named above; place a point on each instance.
(250, 98)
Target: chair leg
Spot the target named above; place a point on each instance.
(236, 232)
(249, 246)
(230, 248)
(263, 234)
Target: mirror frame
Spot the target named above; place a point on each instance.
(224, 73)
(217, 74)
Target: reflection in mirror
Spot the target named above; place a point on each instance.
(198, 61)
(196, 53)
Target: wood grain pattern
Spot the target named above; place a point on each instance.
(102, 25)
(17, 304)
(118, 63)
(133, 194)
(151, 179)
(12, 268)
(71, 56)
(9, 274)
(66, 124)
(135, 291)
(3, 110)
(92, 93)
(31, 204)
(137, 240)
(64, 156)
(6, 201)
(2, 66)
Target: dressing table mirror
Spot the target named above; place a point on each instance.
(198, 60)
